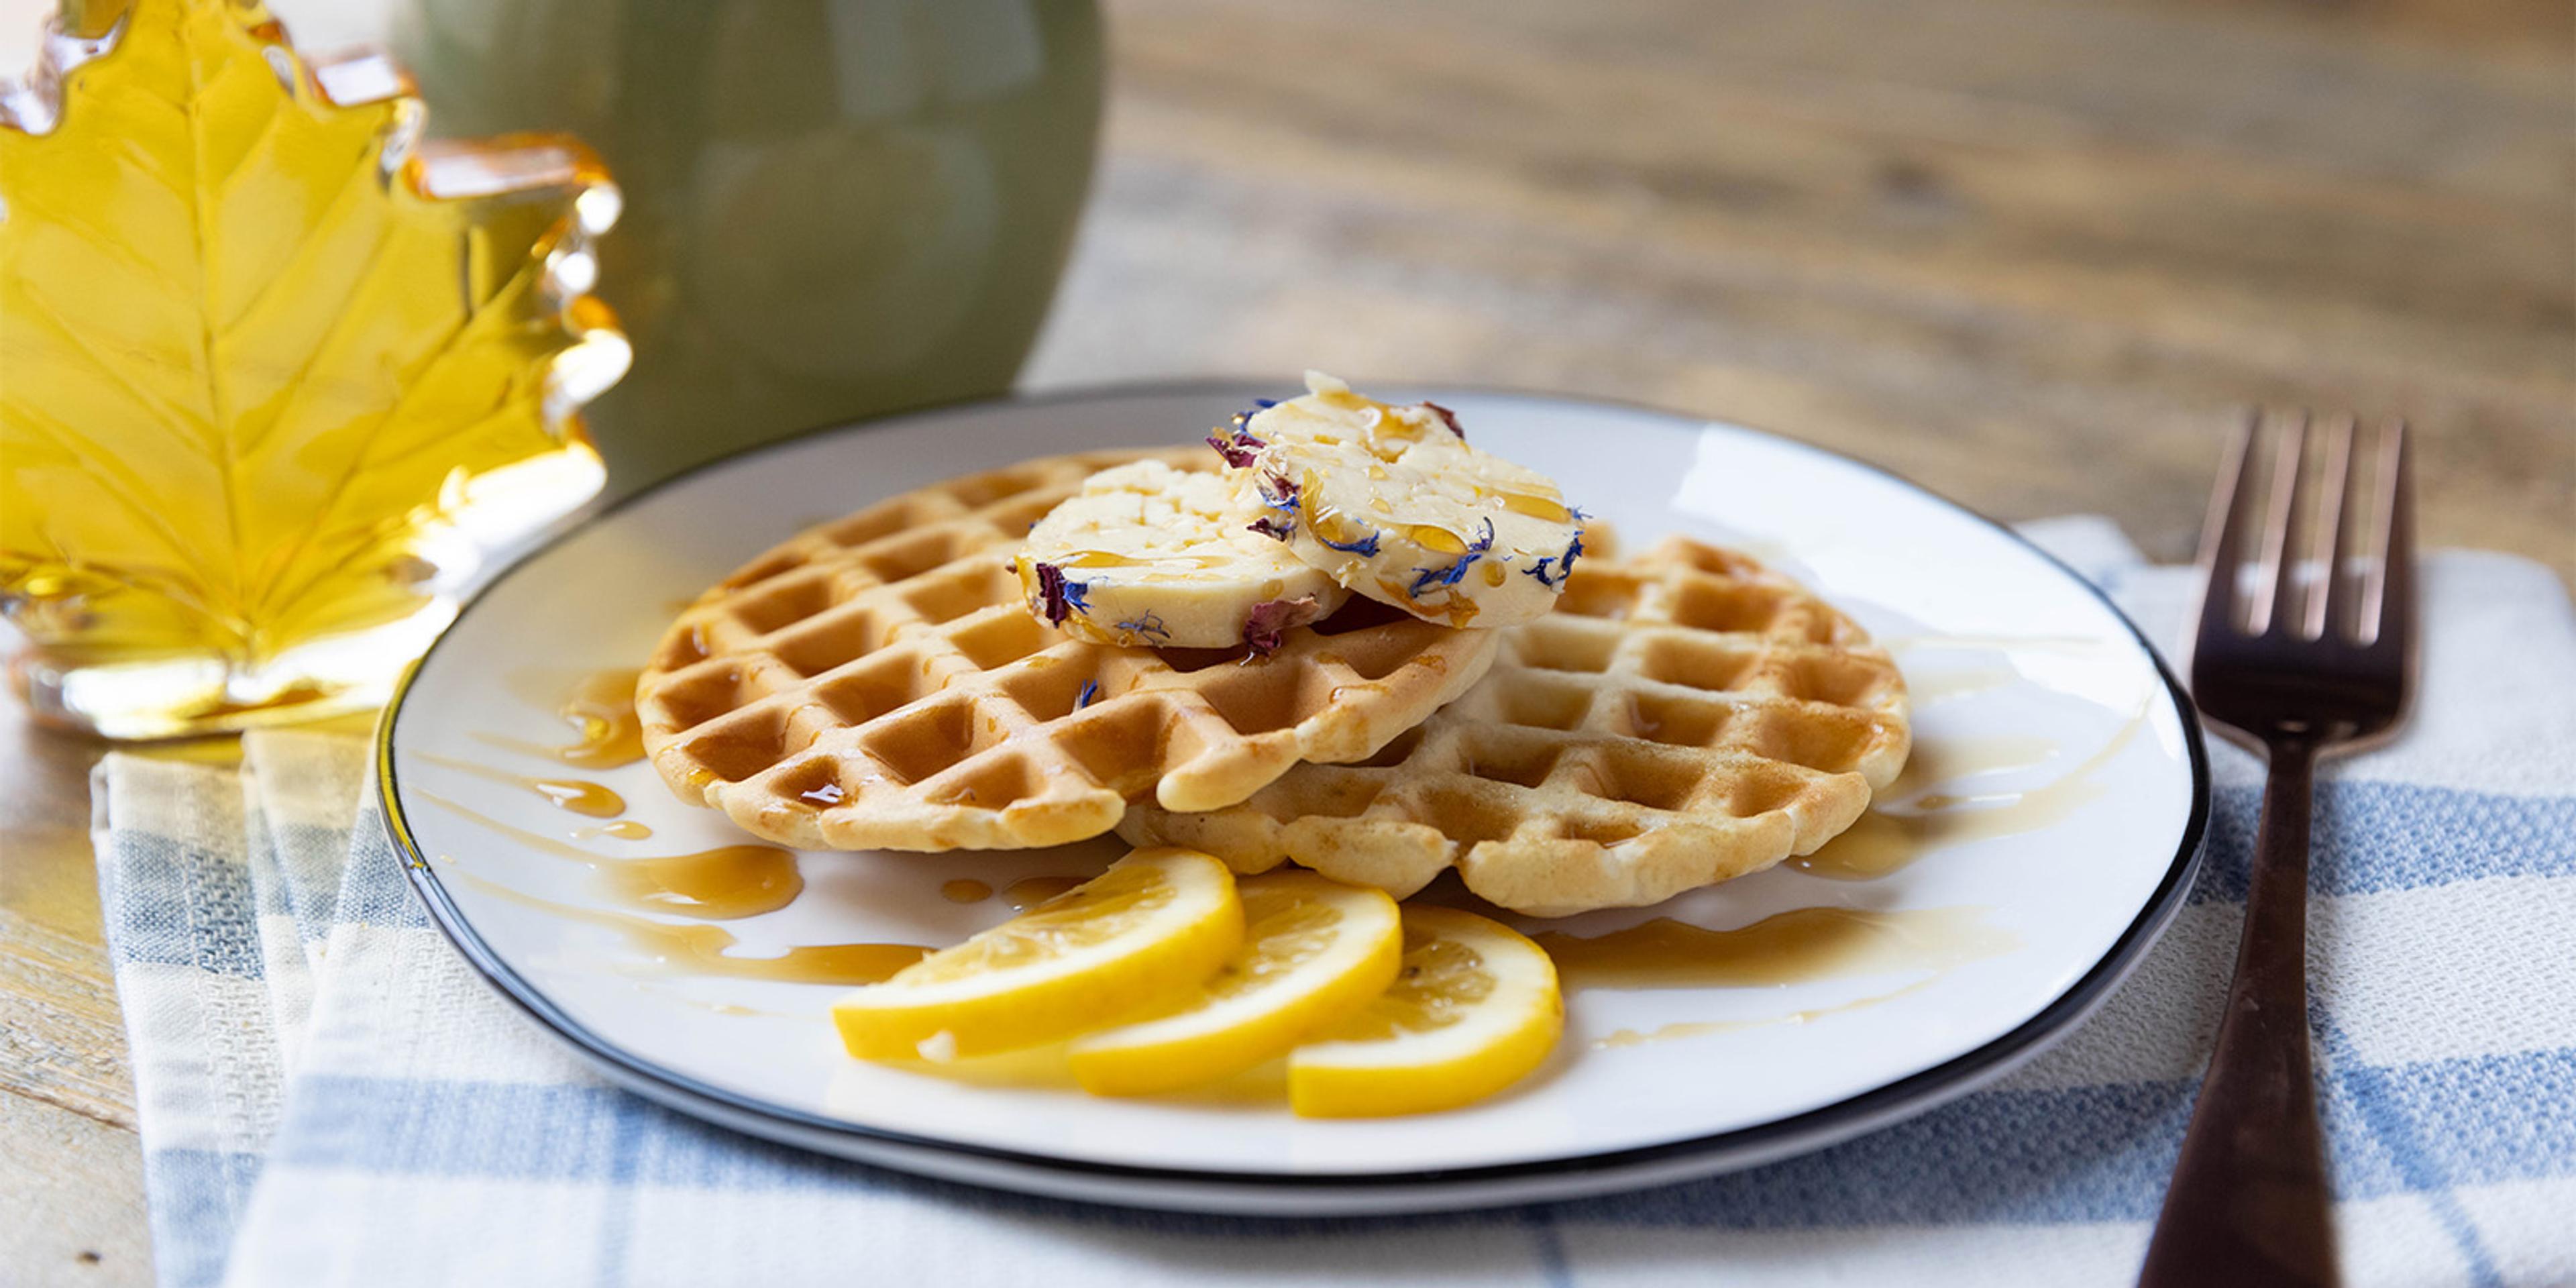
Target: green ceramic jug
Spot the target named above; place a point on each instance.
(834, 208)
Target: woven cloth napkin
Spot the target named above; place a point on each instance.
(329, 1097)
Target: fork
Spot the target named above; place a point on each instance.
(2307, 671)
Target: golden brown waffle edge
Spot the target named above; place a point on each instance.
(877, 683)
(1684, 717)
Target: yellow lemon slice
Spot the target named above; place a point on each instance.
(1314, 951)
(1153, 926)
(1473, 1010)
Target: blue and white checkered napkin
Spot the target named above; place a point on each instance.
(329, 1096)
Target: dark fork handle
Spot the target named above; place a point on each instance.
(2248, 1204)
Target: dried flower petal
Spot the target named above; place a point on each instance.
(1149, 625)
(1238, 444)
(1564, 563)
(1426, 579)
(1449, 418)
(1273, 527)
(1059, 598)
(1272, 618)
(1365, 546)
(1431, 578)
(1236, 454)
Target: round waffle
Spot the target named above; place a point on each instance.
(878, 683)
(1682, 718)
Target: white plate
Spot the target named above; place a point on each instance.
(2011, 657)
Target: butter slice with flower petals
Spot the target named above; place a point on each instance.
(1150, 555)
(1395, 504)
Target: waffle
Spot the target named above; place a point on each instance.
(878, 683)
(1682, 718)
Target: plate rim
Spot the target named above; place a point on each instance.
(1057, 1175)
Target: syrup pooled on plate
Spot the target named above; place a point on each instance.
(721, 884)
(1029, 892)
(1799, 946)
(700, 949)
(1793, 947)
(1884, 841)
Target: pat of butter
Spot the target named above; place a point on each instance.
(1395, 504)
(1150, 555)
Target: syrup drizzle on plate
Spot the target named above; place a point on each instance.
(600, 708)
(727, 882)
(577, 795)
(699, 948)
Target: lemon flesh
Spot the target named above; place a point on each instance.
(1149, 929)
(1314, 952)
(1474, 1009)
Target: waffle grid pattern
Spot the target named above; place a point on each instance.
(1681, 719)
(878, 682)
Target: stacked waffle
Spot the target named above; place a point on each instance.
(1344, 638)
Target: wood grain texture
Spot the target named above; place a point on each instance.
(71, 1170)
(71, 1200)
(2032, 255)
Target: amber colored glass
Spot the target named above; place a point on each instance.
(274, 375)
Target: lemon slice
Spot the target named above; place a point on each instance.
(1474, 1009)
(1153, 926)
(1314, 950)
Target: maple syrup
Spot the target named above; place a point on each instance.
(624, 829)
(1946, 685)
(1537, 507)
(1702, 1028)
(1110, 559)
(600, 707)
(700, 949)
(578, 795)
(1029, 892)
(1884, 841)
(724, 883)
(1436, 539)
(1793, 947)
(965, 890)
(1802, 945)
(1995, 643)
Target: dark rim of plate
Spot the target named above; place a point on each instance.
(1825, 1125)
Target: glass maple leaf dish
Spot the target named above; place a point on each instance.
(276, 375)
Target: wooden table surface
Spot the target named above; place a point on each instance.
(2031, 255)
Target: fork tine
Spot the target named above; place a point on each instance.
(2222, 537)
(2330, 605)
(2275, 583)
(2389, 612)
